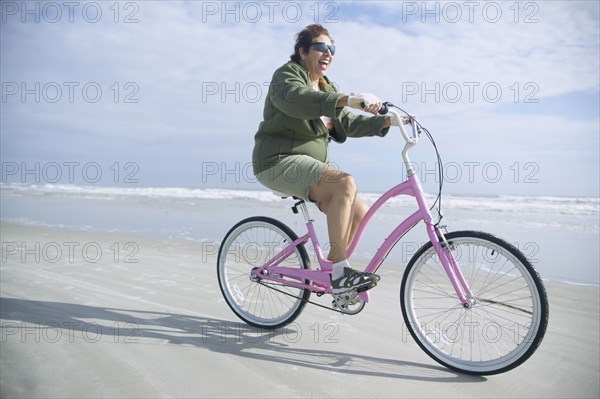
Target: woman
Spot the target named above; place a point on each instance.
(302, 113)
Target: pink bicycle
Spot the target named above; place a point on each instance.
(472, 301)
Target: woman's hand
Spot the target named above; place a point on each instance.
(365, 102)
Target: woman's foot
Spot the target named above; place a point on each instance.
(351, 279)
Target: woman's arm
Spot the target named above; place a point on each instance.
(342, 102)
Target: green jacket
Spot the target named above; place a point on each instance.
(291, 119)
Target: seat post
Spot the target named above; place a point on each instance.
(300, 202)
(304, 210)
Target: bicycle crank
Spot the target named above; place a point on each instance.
(348, 302)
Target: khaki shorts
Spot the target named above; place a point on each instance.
(293, 175)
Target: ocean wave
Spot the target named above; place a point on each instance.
(112, 193)
(502, 203)
(522, 204)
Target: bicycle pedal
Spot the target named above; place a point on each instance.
(348, 302)
(343, 300)
(367, 287)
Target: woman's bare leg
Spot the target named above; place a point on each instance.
(336, 194)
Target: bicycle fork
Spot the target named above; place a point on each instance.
(443, 250)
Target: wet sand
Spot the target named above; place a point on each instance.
(85, 314)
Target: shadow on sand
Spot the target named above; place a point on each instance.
(72, 321)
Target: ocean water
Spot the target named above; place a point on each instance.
(560, 235)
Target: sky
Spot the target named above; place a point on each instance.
(170, 93)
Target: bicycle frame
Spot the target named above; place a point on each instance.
(321, 278)
(266, 277)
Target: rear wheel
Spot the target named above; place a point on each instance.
(248, 245)
(505, 325)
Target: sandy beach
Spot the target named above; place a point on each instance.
(88, 314)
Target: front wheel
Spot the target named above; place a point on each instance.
(247, 246)
(504, 326)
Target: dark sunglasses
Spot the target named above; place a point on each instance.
(323, 47)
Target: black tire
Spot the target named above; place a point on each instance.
(505, 325)
(248, 245)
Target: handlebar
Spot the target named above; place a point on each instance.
(411, 140)
(388, 107)
(414, 137)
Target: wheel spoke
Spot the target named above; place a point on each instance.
(248, 246)
(504, 326)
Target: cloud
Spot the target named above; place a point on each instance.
(186, 82)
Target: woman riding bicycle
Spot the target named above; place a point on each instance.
(303, 112)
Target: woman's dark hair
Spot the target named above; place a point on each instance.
(304, 39)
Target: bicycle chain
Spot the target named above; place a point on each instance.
(270, 286)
